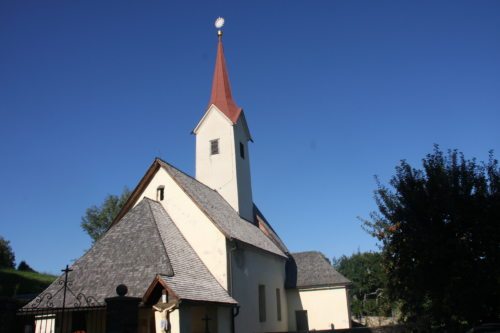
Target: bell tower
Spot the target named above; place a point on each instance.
(222, 136)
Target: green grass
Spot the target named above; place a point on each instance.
(14, 282)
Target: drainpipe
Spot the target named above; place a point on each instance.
(234, 315)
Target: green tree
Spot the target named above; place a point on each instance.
(439, 228)
(367, 293)
(97, 219)
(23, 266)
(7, 257)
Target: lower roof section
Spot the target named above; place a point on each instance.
(312, 270)
(143, 245)
(191, 279)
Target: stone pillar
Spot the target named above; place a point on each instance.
(122, 312)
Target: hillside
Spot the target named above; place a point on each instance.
(14, 282)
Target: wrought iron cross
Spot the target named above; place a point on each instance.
(66, 271)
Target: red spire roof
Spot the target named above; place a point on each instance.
(221, 89)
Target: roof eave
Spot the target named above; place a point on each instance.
(232, 122)
(322, 286)
(232, 304)
(157, 281)
(236, 240)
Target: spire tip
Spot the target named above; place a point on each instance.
(219, 23)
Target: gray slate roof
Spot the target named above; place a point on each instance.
(191, 279)
(222, 213)
(272, 234)
(144, 244)
(311, 270)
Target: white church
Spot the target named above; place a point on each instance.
(200, 254)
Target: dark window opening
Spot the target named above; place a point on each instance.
(214, 147)
(242, 150)
(160, 193)
(262, 303)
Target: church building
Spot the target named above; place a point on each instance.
(199, 252)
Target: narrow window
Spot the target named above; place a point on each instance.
(262, 303)
(278, 303)
(214, 147)
(160, 193)
(242, 150)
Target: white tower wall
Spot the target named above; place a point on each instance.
(226, 172)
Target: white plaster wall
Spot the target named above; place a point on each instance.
(225, 172)
(251, 268)
(217, 171)
(191, 319)
(224, 317)
(185, 320)
(245, 199)
(175, 321)
(294, 304)
(207, 241)
(324, 307)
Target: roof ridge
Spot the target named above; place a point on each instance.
(133, 197)
(188, 175)
(113, 260)
(204, 185)
(87, 252)
(275, 238)
(309, 251)
(188, 244)
(228, 234)
(148, 201)
(314, 270)
(192, 198)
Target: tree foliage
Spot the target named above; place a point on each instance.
(7, 257)
(439, 228)
(368, 279)
(23, 266)
(97, 219)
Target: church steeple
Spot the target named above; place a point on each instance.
(222, 136)
(221, 95)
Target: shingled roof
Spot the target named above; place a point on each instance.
(216, 208)
(144, 244)
(191, 279)
(221, 213)
(312, 270)
(268, 230)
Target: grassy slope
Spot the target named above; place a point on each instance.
(13, 282)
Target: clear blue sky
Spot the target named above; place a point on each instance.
(335, 92)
